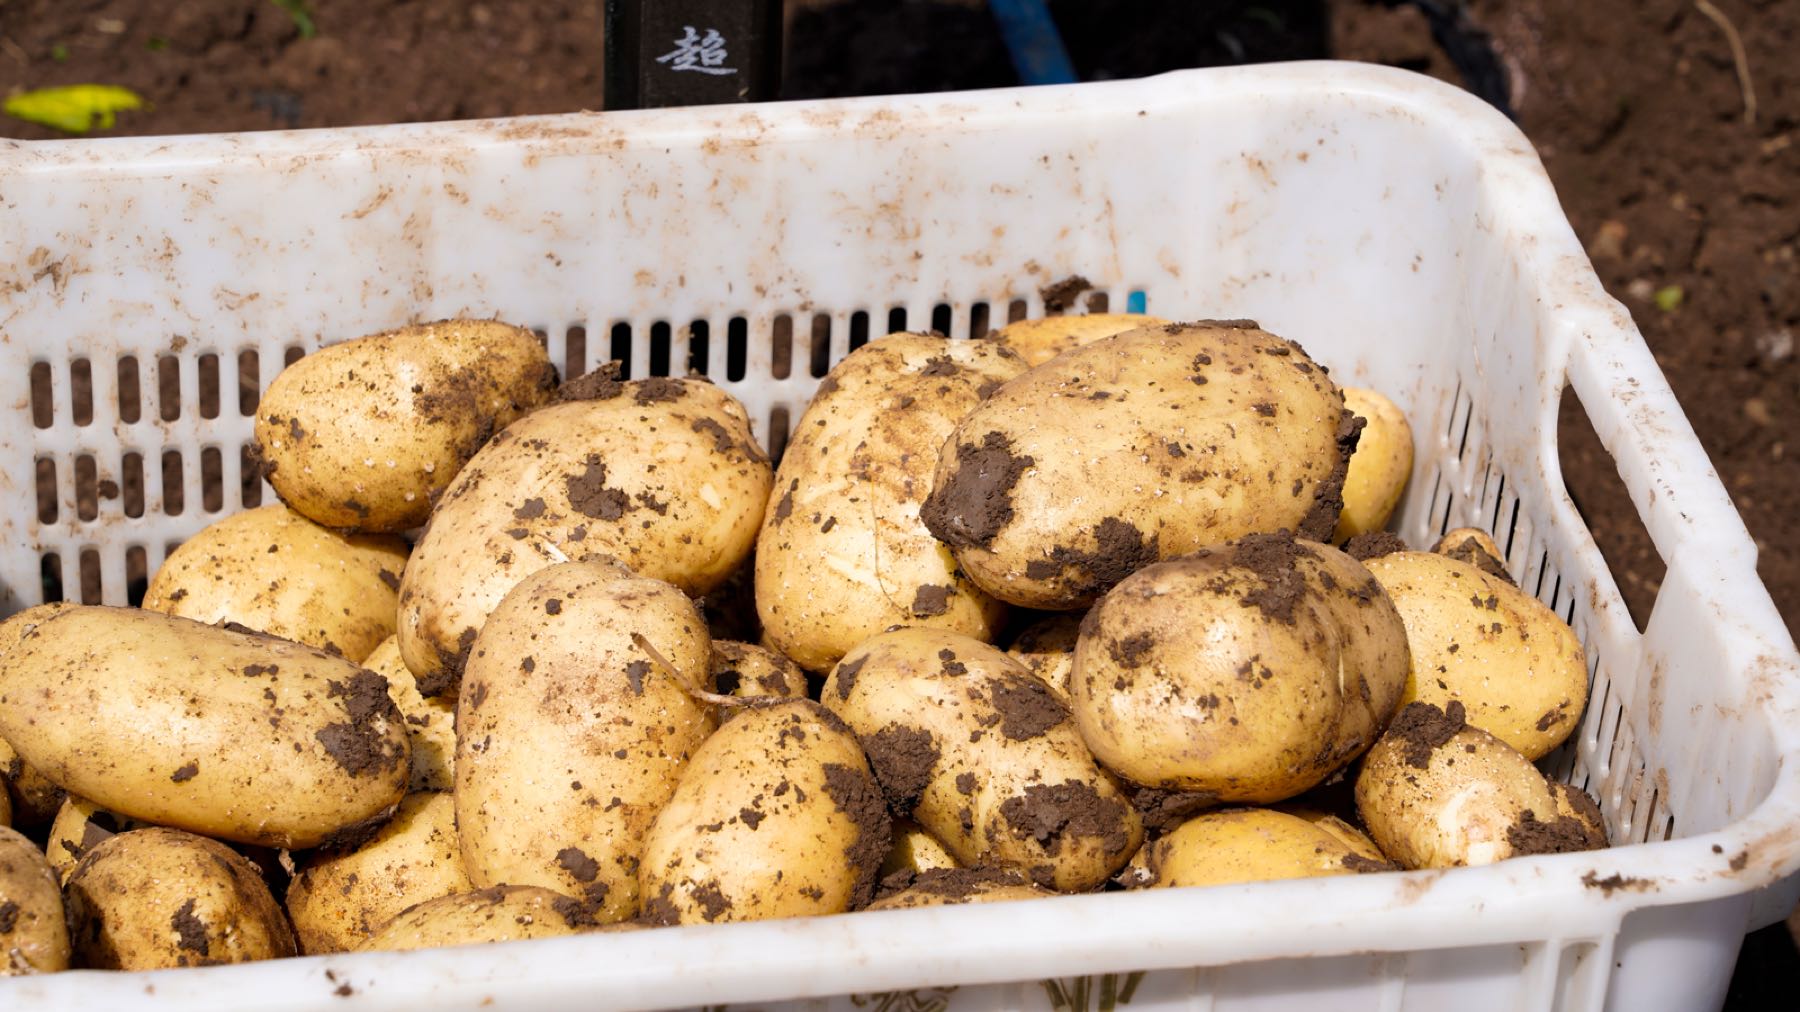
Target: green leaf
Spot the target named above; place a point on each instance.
(156, 44)
(75, 108)
(59, 53)
(1669, 299)
(301, 15)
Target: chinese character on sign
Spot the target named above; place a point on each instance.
(703, 54)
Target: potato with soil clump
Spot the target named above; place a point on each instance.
(33, 935)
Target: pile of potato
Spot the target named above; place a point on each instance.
(1101, 602)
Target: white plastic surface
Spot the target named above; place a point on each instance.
(1400, 230)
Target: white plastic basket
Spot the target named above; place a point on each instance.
(1399, 229)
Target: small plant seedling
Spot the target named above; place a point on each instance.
(301, 15)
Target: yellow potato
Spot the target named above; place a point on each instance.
(1140, 447)
(430, 723)
(1475, 547)
(239, 736)
(1379, 468)
(1233, 845)
(1047, 649)
(33, 935)
(155, 898)
(501, 913)
(661, 474)
(34, 800)
(1251, 671)
(1476, 639)
(79, 827)
(843, 553)
(776, 816)
(363, 435)
(272, 570)
(1039, 341)
(339, 898)
(745, 669)
(913, 851)
(1575, 803)
(1437, 792)
(967, 742)
(940, 887)
(571, 733)
(1347, 834)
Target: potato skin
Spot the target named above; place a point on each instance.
(156, 898)
(1047, 649)
(1516, 667)
(502, 913)
(1038, 341)
(33, 935)
(364, 434)
(1136, 448)
(974, 748)
(1379, 468)
(339, 898)
(843, 553)
(952, 886)
(1232, 845)
(238, 736)
(570, 736)
(914, 850)
(1251, 671)
(34, 800)
(662, 474)
(272, 570)
(430, 723)
(776, 816)
(745, 669)
(79, 827)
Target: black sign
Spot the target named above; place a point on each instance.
(691, 52)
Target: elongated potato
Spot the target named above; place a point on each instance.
(1251, 671)
(503, 913)
(339, 898)
(272, 570)
(967, 742)
(1233, 845)
(430, 723)
(243, 737)
(363, 435)
(1047, 649)
(33, 935)
(662, 474)
(156, 898)
(843, 553)
(1515, 665)
(34, 800)
(1136, 448)
(1379, 468)
(776, 816)
(571, 733)
(940, 887)
(79, 827)
(1437, 792)
(1038, 341)
(745, 669)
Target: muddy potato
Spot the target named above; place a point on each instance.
(1139, 447)
(1437, 792)
(1047, 649)
(940, 887)
(571, 733)
(843, 553)
(662, 474)
(1039, 341)
(239, 736)
(272, 570)
(1575, 803)
(503, 913)
(1515, 666)
(1250, 671)
(745, 669)
(430, 723)
(1379, 468)
(155, 898)
(340, 897)
(913, 850)
(1475, 547)
(79, 827)
(1250, 845)
(33, 800)
(969, 744)
(33, 935)
(776, 816)
(364, 434)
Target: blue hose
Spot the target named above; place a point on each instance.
(1033, 41)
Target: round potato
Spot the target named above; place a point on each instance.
(1575, 803)
(272, 570)
(938, 887)
(1047, 649)
(1475, 547)
(1251, 671)
(339, 898)
(1139, 447)
(1038, 341)
(843, 554)
(239, 736)
(1379, 468)
(78, 828)
(503, 913)
(662, 474)
(776, 816)
(745, 669)
(1437, 792)
(967, 742)
(156, 898)
(1233, 845)
(430, 723)
(33, 935)
(1347, 834)
(913, 851)
(363, 435)
(1514, 665)
(572, 731)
